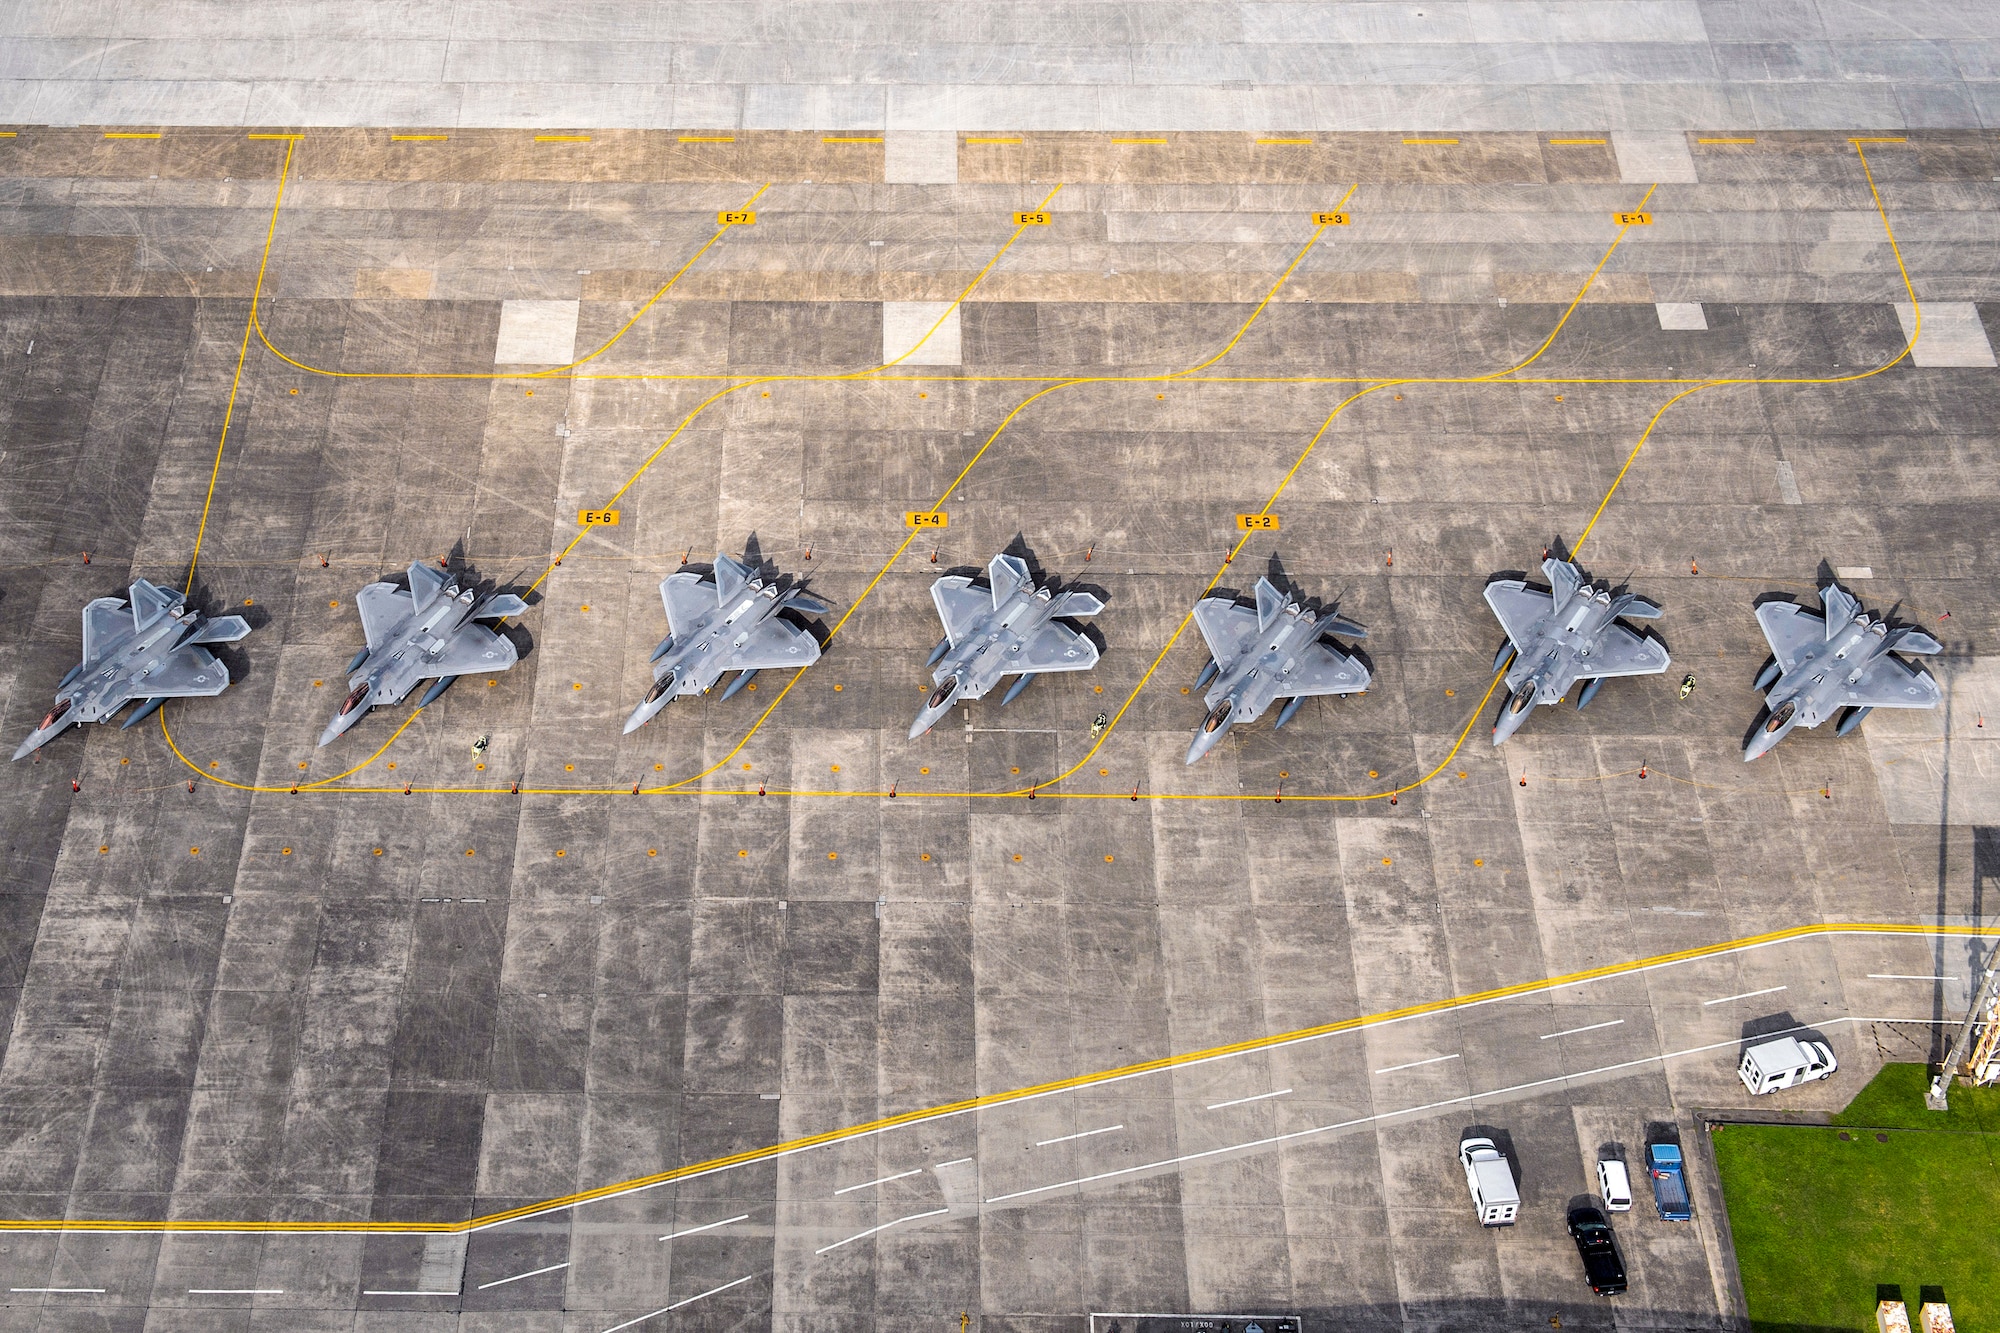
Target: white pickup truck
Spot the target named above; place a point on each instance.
(1491, 1181)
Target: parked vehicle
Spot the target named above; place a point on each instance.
(1670, 1191)
(1491, 1181)
(1603, 1266)
(1614, 1184)
(1785, 1063)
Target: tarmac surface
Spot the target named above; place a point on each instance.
(842, 1030)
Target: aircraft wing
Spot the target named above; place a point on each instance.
(1791, 629)
(383, 606)
(773, 644)
(476, 648)
(1320, 670)
(1517, 607)
(1625, 652)
(1055, 648)
(1888, 683)
(1226, 627)
(190, 673)
(686, 600)
(959, 604)
(102, 619)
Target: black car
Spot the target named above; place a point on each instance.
(1603, 1266)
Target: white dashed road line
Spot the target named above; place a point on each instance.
(871, 1184)
(1571, 1032)
(1746, 995)
(1242, 1101)
(707, 1226)
(864, 1235)
(518, 1276)
(1084, 1135)
(1418, 1064)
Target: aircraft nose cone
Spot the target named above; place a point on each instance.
(28, 746)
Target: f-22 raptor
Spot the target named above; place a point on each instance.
(425, 633)
(1014, 629)
(731, 624)
(1259, 656)
(1841, 658)
(149, 650)
(1567, 635)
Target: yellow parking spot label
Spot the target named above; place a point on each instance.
(597, 518)
(1036, 218)
(1331, 219)
(935, 518)
(1634, 219)
(743, 218)
(1258, 522)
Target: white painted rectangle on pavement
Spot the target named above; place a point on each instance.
(1845, 572)
(1650, 159)
(1951, 335)
(920, 333)
(536, 333)
(1681, 314)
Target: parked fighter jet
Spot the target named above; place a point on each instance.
(427, 632)
(1568, 636)
(1259, 656)
(731, 624)
(1838, 659)
(148, 651)
(1016, 631)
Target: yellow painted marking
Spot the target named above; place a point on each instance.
(739, 218)
(708, 138)
(1633, 219)
(418, 138)
(1430, 141)
(935, 518)
(1475, 999)
(1575, 141)
(993, 141)
(562, 138)
(117, 134)
(1277, 141)
(7, 134)
(1725, 141)
(597, 518)
(1257, 522)
(1138, 141)
(859, 138)
(1331, 219)
(1036, 218)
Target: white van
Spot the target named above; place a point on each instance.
(1785, 1063)
(1614, 1185)
(1491, 1181)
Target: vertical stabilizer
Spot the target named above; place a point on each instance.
(1007, 573)
(424, 584)
(1564, 578)
(730, 576)
(1840, 608)
(150, 602)
(1269, 603)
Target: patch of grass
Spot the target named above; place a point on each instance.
(1820, 1222)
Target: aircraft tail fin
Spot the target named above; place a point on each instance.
(1006, 573)
(425, 583)
(1634, 607)
(1564, 577)
(1840, 606)
(1269, 603)
(1341, 625)
(223, 629)
(1908, 640)
(730, 576)
(150, 602)
(499, 606)
(1078, 604)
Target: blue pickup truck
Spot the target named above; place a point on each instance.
(1670, 1189)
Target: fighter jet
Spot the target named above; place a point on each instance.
(1841, 658)
(1272, 652)
(148, 651)
(1013, 630)
(425, 633)
(1568, 636)
(729, 624)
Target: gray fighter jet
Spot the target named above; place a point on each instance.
(1013, 629)
(423, 634)
(149, 650)
(728, 624)
(1569, 635)
(1841, 658)
(1272, 652)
